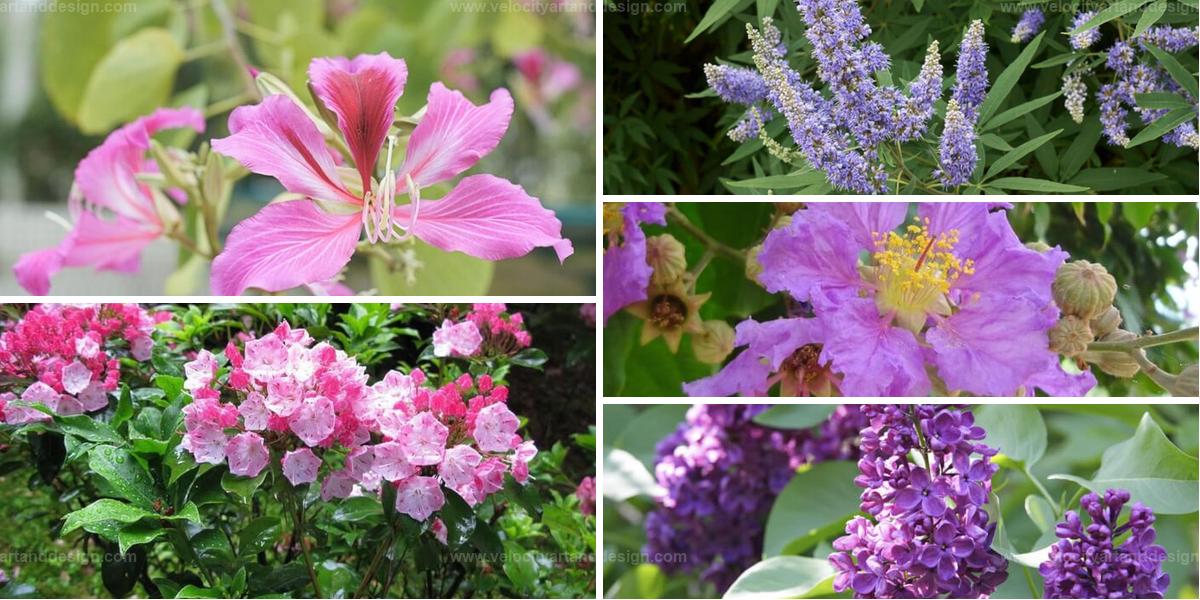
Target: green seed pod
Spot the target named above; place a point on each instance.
(1084, 289)
(753, 267)
(1107, 322)
(1186, 383)
(1070, 336)
(665, 255)
(714, 344)
(1117, 364)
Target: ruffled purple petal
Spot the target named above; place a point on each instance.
(969, 219)
(767, 346)
(746, 375)
(865, 219)
(1053, 380)
(816, 251)
(626, 272)
(875, 358)
(1005, 267)
(991, 346)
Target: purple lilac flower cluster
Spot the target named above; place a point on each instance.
(840, 134)
(1135, 72)
(720, 473)
(626, 272)
(949, 300)
(1088, 563)
(1029, 24)
(956, 150)
(927, 534)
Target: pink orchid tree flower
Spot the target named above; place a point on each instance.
(114, 215)
(310, 240)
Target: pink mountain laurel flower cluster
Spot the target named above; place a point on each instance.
(312, 239)
(66, 357)
(503, 331)
(456, 339)
(114, 215)
(954, 288)
(300, 403)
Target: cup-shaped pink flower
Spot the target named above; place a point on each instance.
(390, 463)
(458, 339)
(255, 415)
(247, 454)
(206, 443)
(458, 467)
(300, 466)
(495, 427)
(419, 497)
(94, 397)
(200, 371)
(423, 439)
(76, 377)
(311, 240)
(115, 215)
(314, 421)
(339, 484)
(489, 475)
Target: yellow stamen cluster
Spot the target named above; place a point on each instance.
(613, 221)
(916, 270)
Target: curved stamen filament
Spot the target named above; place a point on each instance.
(377, 208)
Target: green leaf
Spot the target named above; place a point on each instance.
(259, 535)
(1149, 17)
(1114, 10)
(716, 12)
(171, 386)
(358, 509)
(89, 429)
(134, 78)
(1018, 430)
(1029, 184)
(994, 141)
(440, 272)
(795, 180)
(126, 475)
(1019, 152)
(642, 581)
(1138, 213)
(1161, 100)
(530, 358)
(1040, 512)
(1178, 72)
(459, 519)
(794, 416)
(124, 410)
(1115, 178)
(781, 577)
(1020, 110)
(766, 8)
(1151, 468)
(814, 505)
(104, 509)
(242, 487)
(280, 580)
(1162, 125)
(141, 532)
(518, 565)
(1081, 148)
(1008, 79)
(625, 476)
(72, 43)
(641, 437)
(191, 591)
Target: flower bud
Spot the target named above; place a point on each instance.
(1107, 322)
(1070, 336)
(1186, 383)
(1037, 246)
(1117, 364)
(665, 255)
(753, 267)
(714, 344)
(1084, 289)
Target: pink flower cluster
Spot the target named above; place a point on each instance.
(586, 493)
(310, 404)
(66, 357)
(487, 330)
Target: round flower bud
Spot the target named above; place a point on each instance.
(714, 344)
(665, 255)
(1070, 336)
(1186, 383)
(1117, 364)
(1084, 289)
(1107, 322)
(1037, 246)
(753, 267)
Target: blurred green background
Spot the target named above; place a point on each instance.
(1149, 247)
(1077, 435)
(73, 70)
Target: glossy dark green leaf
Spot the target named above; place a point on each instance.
(783, 577)
(794, 416)
(125, 474)
(1007, 80)
(459, 519)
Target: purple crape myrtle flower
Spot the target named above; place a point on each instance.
(720, 473)
(1028, 25)
(1088, 563)
(971, 80)
(626, 272)
(927, 533)
(952, 294)
(956, 150)
(784, 351)
(1084, 40)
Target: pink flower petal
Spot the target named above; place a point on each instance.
(108, 244)
(458, 467)
(300, 466)
(339, 484)
(206, 443)
(285, 245)
(34, 270)
(255, 415)
(363, 94)
(419, 497)
(453, 135)
(487, 217)
(314, 421)
(462, 339)
(390, 463)
(423, 439)
(276, 138)
(75, 377)
(494, 428)
(94, 397)
(248, 454)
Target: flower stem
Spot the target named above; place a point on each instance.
(1190, 334)
(1041, 488)
(229, 30)
(681, 219)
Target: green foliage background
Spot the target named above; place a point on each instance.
(664, 130)
(1044, 439)
(1149, 247)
